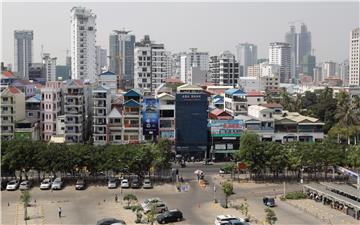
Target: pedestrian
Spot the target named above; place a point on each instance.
(116, 198)
(59, 212)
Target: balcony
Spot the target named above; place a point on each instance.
(7, 102)
(7, 112)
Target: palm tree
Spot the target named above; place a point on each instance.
(345, 111)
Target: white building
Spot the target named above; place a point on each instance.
(166, 116)
(100, 59)
(197, 76)
(23, 48)
(83, 35)
(60, 125)
(49, 67)
(224, 69)
(193, 59)
(279, 54)
(247, 84)
(246, 56)
(109, 80)
(150, 65)
(354, 70)
(268, 70)
(328, 70)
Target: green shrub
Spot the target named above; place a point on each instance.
(295, 195)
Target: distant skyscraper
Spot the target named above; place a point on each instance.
(291, 38)
(280, 54)
(328, 70)
(49, 67)
(193, 59)
(100, 59)
(246, 55)
(300, 44)
(308, 65)
(354, 64)
(23, 48)
(83, 34)
(224, 69)
(121, 53)
(304, 44)
(344, 72)
(150, 65)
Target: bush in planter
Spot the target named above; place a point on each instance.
(295, 195)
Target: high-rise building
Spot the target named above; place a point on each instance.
(100, 59)
(246, 56)
(150, 65)
(83, 34)
(309, 63)
(224, 69)
(49, 67)
(121, 56)
(354, 64)
(304, 44)
(280, 54)
(328, 70)
(291, 38)
(193, 59)
(23, 48)
(101, 108)
(344, 72)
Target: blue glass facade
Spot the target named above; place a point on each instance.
(191, 124)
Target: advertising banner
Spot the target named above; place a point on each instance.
(226, 128)
(150, 116)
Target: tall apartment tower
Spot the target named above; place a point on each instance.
(49, 67)
(121, 55)
(83, 35)
(354, 64)
(280, 54)
(23, 47)
(246, 55)
(150, 65)
(193, 59)
(224, 69)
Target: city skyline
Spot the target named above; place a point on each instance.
(205, 32)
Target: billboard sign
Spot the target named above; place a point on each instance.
(226, 128)
(150, 116)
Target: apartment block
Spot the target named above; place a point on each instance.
(12, 110)
(101, 98)
(132, 117)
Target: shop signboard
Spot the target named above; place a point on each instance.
(150, 116)
(226, 128)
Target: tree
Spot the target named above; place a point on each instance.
(277, 157)
(270, 216)
(345, 112)
(25, 199)
(129, 198)
(151, 215)
(138, 209)
(228, 190)
(162, 154)
(353, 156)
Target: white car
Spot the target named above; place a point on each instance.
(45, 184)
(12, 185)
(57, 184)
(224, 219)
(150, 200)
(112, 183)
(125, 183)
(25, 185)
(160, 207)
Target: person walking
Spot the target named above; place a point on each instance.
(116, 198)
(59, 212)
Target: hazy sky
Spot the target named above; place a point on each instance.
(211, 27)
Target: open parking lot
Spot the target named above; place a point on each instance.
(97, 202)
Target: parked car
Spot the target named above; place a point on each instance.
(80, 184)
(57, 184)
(269, 201)
(25, 185)
(147, 184)
(172, 215)
(3, 185)
(12, 185)
(112, 183)
(149, 201)
(125, 183)
(237, 222)
(224, 219)
(45, 184)
(110, 221)
(160, 207)
(135, 183)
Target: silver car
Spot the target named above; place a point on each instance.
(147, 184)
(45, 184)
(12, 185)
(57, 184)
(25, 185)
